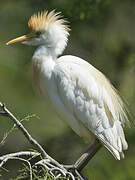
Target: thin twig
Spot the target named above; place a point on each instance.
(56, 172)
(17, 158)
(7, 134)
(14, 126)
(18, 154)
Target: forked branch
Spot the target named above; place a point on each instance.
(7, 113)
(52, 166)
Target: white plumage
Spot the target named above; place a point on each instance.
(78, 92)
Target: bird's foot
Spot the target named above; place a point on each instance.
(73, 169)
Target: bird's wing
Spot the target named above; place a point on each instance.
(90, 98)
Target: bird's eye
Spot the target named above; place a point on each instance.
(38, 33)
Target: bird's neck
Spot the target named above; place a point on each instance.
(44, 53)
(44, 60)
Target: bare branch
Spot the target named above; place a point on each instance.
(29, 137)
(17, 158)
(56, 172)
(24, 131)
(52, 166)
(18, 154)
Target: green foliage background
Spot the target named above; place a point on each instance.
(103, 33)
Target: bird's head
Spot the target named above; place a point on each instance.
(47, 29)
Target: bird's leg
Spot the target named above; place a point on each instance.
(87, 156)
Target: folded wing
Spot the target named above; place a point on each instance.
(90, 98)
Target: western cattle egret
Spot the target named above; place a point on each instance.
(78, 92)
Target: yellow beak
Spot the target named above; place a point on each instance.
(22, 38)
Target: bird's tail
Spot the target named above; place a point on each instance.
(114, 140)
(117, 154)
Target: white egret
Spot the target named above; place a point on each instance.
(79, 93)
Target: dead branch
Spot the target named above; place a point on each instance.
(21, 153)
(52, 166)
(20, 159)
(7, 113)
(55, 169)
